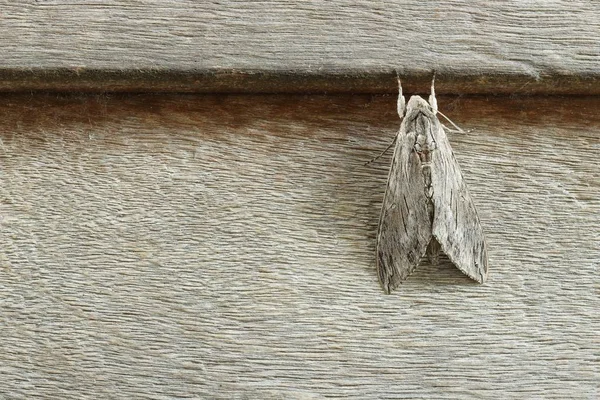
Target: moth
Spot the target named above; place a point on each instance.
(427, 207)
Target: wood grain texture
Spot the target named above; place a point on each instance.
(224, 247)
(333, 46)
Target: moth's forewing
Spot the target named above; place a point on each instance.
(456, 224)
(405, 224)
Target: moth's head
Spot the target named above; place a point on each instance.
(418, 105)
(420, 120)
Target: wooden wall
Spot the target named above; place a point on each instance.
(223, 246)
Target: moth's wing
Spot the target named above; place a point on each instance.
(456, 224)
(405, 225)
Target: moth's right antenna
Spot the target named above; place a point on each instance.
(432, 99)
(433, 104)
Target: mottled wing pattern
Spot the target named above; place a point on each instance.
(405, 225)
(456, 224)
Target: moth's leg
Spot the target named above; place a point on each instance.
(401, 100)
(457, 128)
(433, 104)
(383, 152)
(432, 100)
(433, 251)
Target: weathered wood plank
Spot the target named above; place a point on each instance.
(173, 246)
(333, 46)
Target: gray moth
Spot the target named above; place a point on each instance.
(427, 207)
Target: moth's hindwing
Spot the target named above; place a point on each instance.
(456, 224)
(405, 224)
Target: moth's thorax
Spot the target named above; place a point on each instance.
(420, 121)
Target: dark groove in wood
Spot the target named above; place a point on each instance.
(248, 81)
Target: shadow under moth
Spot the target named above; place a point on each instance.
(427, 207)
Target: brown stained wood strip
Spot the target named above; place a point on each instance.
(311, 47)
(224, 246)
(293, 81)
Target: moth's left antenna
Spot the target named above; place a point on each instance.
(401, 99)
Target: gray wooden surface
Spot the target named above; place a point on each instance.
(333, 46)
(224, 247)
